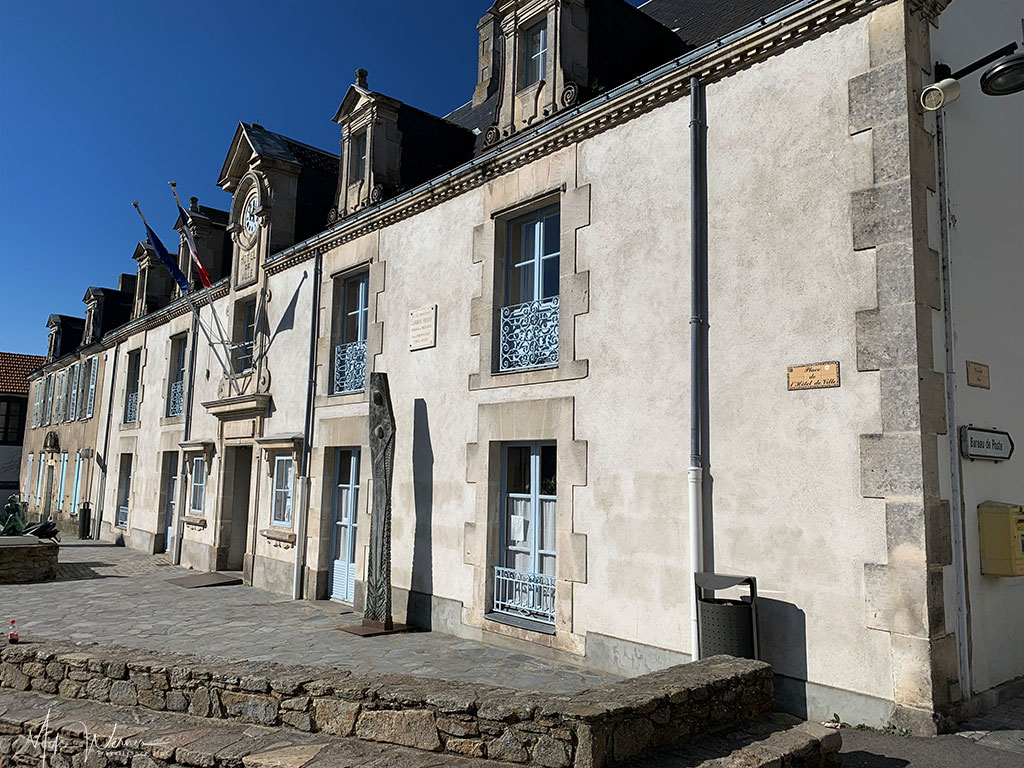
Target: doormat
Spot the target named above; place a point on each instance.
(197, 580)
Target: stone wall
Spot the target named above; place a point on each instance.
(32, 561)
(594, 728)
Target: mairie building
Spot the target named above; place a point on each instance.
(521, 270)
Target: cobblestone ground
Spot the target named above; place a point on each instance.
(108, 594)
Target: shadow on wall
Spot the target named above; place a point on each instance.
(782, 628)
(422, 587)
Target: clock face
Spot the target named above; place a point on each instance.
(249, 221)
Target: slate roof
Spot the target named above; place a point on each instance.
(14, 371)
(270, 144)
(699, 22)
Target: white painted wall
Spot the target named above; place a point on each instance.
(985, 162)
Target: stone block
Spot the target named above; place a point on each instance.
(98, 689)
(410, 728)
(335, 717)
(199, 702)
(150, 698)
(552, 753)
(176, 701)
(869, 340)
(299, 720)
(896, 598)
(468, 747)
(11, 676)
(56, 671)
(123, 693)
(507, 747)
(249, 708)
(891, 465)
(878, 96)
(70, 689)
(458, 728)
(881, 214)
(299, 704)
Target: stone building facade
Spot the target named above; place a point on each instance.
(519, 268)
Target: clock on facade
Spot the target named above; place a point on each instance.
(249, 221)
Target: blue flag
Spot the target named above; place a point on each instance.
(165, 257)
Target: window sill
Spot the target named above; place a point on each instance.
(279, 535)
(195, 521)
(515, 621)
(129, 426)
(567, 371)
(171, 420)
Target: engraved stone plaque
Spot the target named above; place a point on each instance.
(978, 375)
(813, 376)
(423, 327)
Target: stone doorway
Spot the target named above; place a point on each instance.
(235, 508)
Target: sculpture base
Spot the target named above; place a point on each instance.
(377, 628)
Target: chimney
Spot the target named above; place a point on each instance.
(489, 51)
(361, 75)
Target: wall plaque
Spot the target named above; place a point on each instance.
(978, 375)
(423, 327)
(813, 376)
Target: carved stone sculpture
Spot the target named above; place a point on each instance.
(382, 458)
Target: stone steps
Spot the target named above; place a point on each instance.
(46, 730)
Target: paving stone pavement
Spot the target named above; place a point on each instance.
(999, 728)
(108, 594)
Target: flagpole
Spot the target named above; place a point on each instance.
(195, 309)
(195, 257)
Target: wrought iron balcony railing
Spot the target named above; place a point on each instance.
(527, 595)
(529, 335)
(176, 399)
(349, 367)
(131, 408)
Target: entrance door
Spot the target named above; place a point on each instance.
(346, 495)
(235, 504)
(170, 497)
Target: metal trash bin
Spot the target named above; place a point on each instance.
(726, 626)
(84, 520)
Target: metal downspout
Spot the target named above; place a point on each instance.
(952, 428)
(98, 522)
(698, 246)
(182, 486)
(304, 482)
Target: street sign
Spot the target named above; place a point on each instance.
(987, 444)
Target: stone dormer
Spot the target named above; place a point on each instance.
(539, 57)
(154, 286)
(210, 231)
(106, 309)
(64, 337)
(281, 192)
(388, 147)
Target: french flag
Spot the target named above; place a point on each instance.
(186, 221)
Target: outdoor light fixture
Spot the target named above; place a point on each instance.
(1004, 77)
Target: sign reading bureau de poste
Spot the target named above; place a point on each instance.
(813, 376)
(423, 327)
(987, 444)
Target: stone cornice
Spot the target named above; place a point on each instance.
(770, 36)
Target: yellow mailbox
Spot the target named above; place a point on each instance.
(1001, 528)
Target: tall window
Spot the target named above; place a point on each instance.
(124, 491)
(524, 579)
(176, 377)
(58, 398)
(39, 478)
(73, 377)
(198, 500)
(245, 324)
(37, 409)
(90, 393)
(48, 401)
(284, 482)
(529, 318)
(357, 160)
(27, 488)
(536, 50)
(12, 420)
(350, 352)
(131, 395)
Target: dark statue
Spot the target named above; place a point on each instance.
(12, 517)
(382, 458)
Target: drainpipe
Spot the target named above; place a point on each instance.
(698, 258)
(304, 481)
(97, 522)
(952, 428)
(181, 489)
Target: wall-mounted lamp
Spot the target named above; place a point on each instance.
(1004, 77)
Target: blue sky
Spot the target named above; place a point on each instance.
(103, 102)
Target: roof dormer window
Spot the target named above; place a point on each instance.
(536, 53)
(358, 159)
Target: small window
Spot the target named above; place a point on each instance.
(198, 485)
(12, 421)
(536, 50)
(357, 159)
(284, 480)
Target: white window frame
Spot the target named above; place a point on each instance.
(39, 479)
(27, 491)
(198, 484)
(74, 373)
(91, 400)
(60, 483)
(535, 58)
(283, 495)
(48, 401)
(358, 156)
